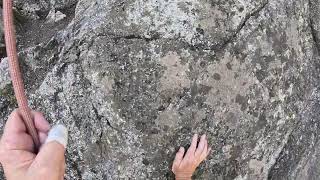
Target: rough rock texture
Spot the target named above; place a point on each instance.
(134, 79)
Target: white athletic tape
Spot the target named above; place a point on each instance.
(58, 133)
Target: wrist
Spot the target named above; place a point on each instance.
(183, 176)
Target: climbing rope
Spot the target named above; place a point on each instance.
(15, 73)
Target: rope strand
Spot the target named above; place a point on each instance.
(15, 73)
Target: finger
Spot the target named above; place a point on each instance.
(201, 145)
(209, 151)
(178, 158)
(205, 153)
(15, 135)
(51, 154)
(62, 174)
(193, 145)
(42, 137)
(40, 122)
(63, 169)
(51, 158)
(14, 124)
(9, 159)
(18, 141)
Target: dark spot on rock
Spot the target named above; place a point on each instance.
(185, 130)
(241, 9)
(214, 58)
(140, 125)
(217, 76)
(229, 66)
(3, 52)
(242, 101)
(231, 119)
(262, 121)
(200, 31)
(203, 89)
(235, 151)
(93, 171)
(165, 128)
(154, 131)
(169, 175)
(145, 162)
(7, 96)
(161, 108)
(261, 75)
(203, 64)
(236, 75)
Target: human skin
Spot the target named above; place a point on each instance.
(17, 155)
(185, 164)
(19, 160)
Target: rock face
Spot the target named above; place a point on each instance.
(134, 79)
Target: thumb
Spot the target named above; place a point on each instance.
(51, 154)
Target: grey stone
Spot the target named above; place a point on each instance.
(55, 16)
(134, 79)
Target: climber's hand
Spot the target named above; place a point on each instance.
(184, 165)
(17, 150)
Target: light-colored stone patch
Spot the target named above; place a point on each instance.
(248, 7)
(103, 82)
(169, 118)
(4, 73)
(231, 82)
(270, 151)
(209, 18)
(175, 75)
(292, 33)
(170, 18)
(181, 19)
(241, 177)
(55, 16)
(256, 166)
(226, 150)
(200, 115)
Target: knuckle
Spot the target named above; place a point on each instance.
(199, 161)
(203, 156)
(14, 113)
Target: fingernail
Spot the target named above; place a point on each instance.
(58, 133)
